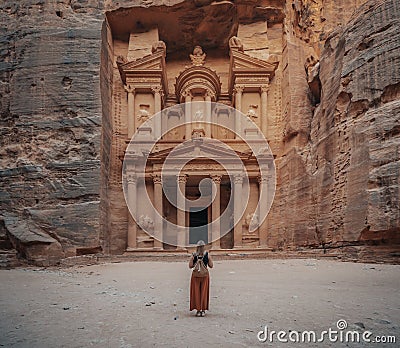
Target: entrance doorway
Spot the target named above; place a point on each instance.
(198, 229)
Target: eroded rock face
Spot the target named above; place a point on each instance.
(50, 124)
(342, 185)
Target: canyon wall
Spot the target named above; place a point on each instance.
(51, 116)
(339, 182)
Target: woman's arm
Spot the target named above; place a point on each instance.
(210, 261)
(191, 262)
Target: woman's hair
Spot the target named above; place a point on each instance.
(200, 247)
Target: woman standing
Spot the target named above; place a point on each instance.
(200, 281)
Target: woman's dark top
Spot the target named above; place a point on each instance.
(205, 259)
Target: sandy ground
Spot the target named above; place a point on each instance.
(105, 305)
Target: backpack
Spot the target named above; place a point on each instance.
(200, 269)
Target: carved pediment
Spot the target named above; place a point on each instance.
(150, 65)
(150, 62)
(244, 66)
(197, 149)
(243, 61)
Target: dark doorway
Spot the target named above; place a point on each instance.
(198, 220)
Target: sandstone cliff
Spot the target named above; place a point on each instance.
(340, 185)
(50, 126)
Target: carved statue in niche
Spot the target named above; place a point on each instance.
(251, 221)
(143, 114)
(223, 133)
(235, 43)
(174, 134)
(198, 57)
(198, 116)
(146, 223)
(158, 46)
(251, 113)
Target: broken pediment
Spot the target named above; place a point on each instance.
(150, 66)
(243, 67)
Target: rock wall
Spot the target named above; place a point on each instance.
(340, 186)
(50, 126)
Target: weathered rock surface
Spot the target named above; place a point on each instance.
(50, 124)
(341, 186)
(32, 242)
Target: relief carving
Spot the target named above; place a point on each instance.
(235, 44)
(159, 46)
(251, 221)
(143, 113)
(223, 133)
(174, 134)
(198, 116)
(146, 223)
(198, 57)
(174, 112)
(198, 133)
(252, 112)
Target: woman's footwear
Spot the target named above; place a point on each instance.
(198, 313)
(202, 313)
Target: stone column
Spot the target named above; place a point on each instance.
(263, 204)
(157, 108)
(181, 213)
(130, 90)
(237, 210)
(238, 106)
(264, 100)
(208, 114)
(188, 116)
(216, 211)
(158, 223)
(132, 227)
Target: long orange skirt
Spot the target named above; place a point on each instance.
(199, 293)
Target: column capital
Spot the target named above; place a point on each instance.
(238, 88)
(181, 178)
(263, 178)
(131, 178)
(216, 178)
(264, 88)
(156, 89)
(156, 179)
(129, 88)
(238, 178)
